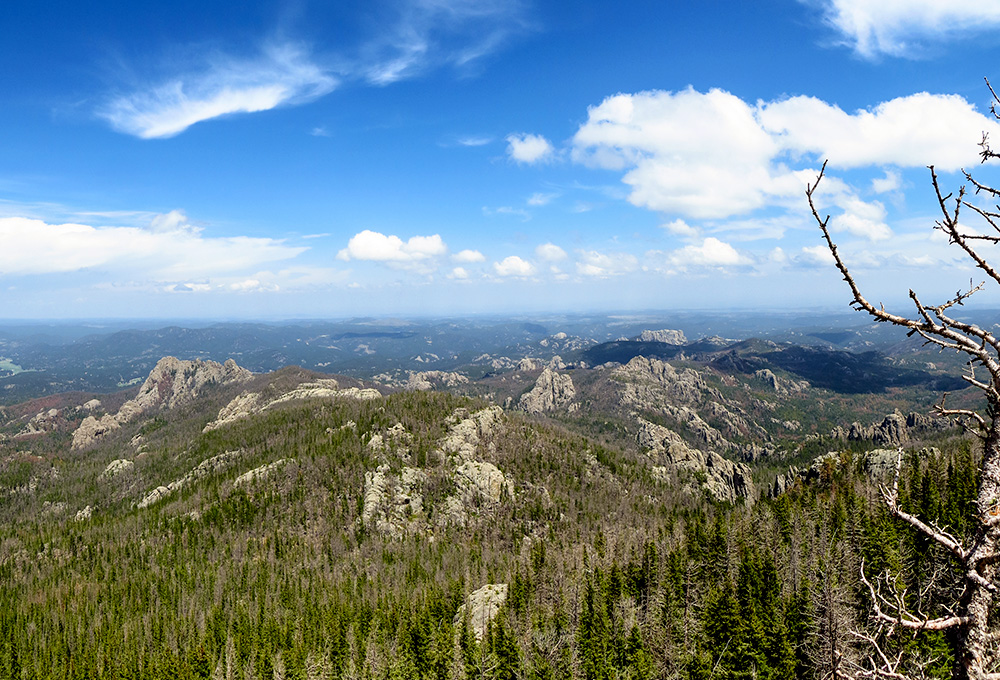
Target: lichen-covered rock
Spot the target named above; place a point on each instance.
(551, 391)
(481, 607)
(648, 382)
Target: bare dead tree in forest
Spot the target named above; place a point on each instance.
(973, 633)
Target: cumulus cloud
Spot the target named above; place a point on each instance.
(282, 75)
(169, 249)
(459, 273)
(550, 252)
(681, 228)
(593, 263)
(513, 266)
(711, 253)
(711, 155)
(863, 219)
(891, 182)
(903, 27)
(372, 245)
(913, 131)
(816, 255)
(468, 256)
(528, 148)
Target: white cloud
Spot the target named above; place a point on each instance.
(428, 33)
(513, 266)
(468, 256)
(711, 155)
(550, 252)
(474, 140)
(539, 199)
(459, 273)
(859, 218)
(319, 131)
(891, 182)
(904, 27)
(816, 255)
(681, 228)
(913, 131)
(170, 249)
(528, 148)
(593, 263)
(711, 253)
(372, 245)
(282, 75)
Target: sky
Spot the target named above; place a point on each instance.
(304, 159)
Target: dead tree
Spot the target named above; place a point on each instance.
(973, 634)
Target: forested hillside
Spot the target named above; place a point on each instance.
(305, 527)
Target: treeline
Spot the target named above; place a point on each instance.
(610, 573)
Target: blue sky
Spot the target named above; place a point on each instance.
(434, 157)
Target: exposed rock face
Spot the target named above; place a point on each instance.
(425, 380)
(117, 467)
(551, 391)
(483, 480)
(470, 432)
(482, 606)
(724, 479)
(170, 384)
(92, 429)
(394, 504)
(895, 429)
(251, 403)
(671, 337)
(173, 383)
(647, 380)
(203, 469)
(780, 385)
(263, 472)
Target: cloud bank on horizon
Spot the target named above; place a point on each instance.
(377, 169)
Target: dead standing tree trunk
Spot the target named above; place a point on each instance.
(972, 633)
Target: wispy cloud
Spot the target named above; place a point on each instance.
(423, 34)
(903, 28)
(281, 75)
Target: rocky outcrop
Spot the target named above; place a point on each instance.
(724, 479)
(649, 381)
(170, 384)
(252, 403)
(174, 382)
(670, 337)
(394, 504)
(481, 607)
(426, 380)
(894, 430)
(251, 477)
(779, 385)
(551, 391)
(203, 469)
(117, 467)
(92, 429)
